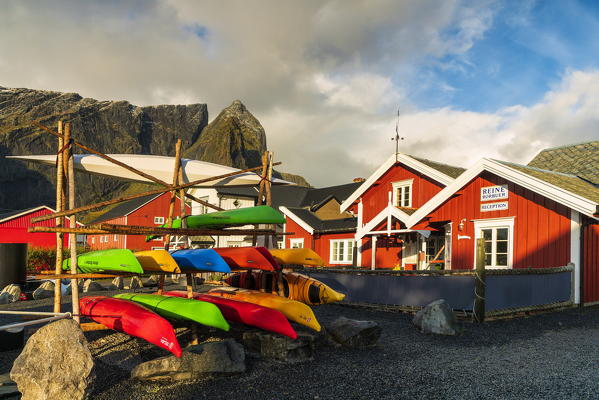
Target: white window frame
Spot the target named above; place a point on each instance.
(158, 220)
(93, 240)
(280, 244)
(400, 186)
(495, 223)
(347, 253)
(116, 238)
(299, 241)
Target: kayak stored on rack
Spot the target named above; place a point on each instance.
(113, 260)
(297, 256)
(246, 258)
(157, 260)
(178, 308)
(131, 318)
(246, 313)
(293, 310)
(198, 260)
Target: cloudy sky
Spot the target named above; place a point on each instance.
(472, 79)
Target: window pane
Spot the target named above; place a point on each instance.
(502, 234)
(487, 234)
(488, 259)
(502, 246)
(501, 260)
(488, 247)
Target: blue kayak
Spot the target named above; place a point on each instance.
(200, 260)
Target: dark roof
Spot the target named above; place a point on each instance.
(580, 159)
(322, 226)
(246, 191)
(571, 183)
(124, 208)
(340, 192)
(447, 169)
(11, 213)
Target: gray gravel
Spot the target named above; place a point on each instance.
(547, 356)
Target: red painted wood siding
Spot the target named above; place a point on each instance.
(541, 226)
(591, 263)
(388, 253)
(144, 216)
(321, 244)
(376, 197)
(15, 231)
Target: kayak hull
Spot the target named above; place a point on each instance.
(293, 310)
(200, 312)
(246, 313)
(113, 260)
(303, 256)
(246, 258)
(131, 318)
(198, 260)
(157, 260)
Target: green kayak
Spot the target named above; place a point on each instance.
(201, 312)
(113, 260)
(229, 218)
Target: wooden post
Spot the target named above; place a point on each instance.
(183, 213)
(59, 221)
(261, 190)
(479, 287)
(72, 223)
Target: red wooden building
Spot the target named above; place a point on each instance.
(14, 225)
(144, 211)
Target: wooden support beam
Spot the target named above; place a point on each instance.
(60, 220)
(479, 286)
(138, 195)
(70, 168)
(150, 230)
(68, 275)
(171, 205)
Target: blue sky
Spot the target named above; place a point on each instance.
(486, 78)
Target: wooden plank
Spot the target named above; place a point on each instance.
(92, 326)
(79, 276)
(149, 230)
(70, 168)
(60, 220)
(479, 288)
(171, 205)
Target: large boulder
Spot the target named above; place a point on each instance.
(117, 283)
(4, 298)
(354, 333)
(45, 290)
(437, 317)
(152, 281)
(13, 291)
(281, 348)
(221, 357)
(91, 286)
(55, 364)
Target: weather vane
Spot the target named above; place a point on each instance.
(397, 138)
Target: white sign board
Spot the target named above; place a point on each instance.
(502, 205)
(489, 193)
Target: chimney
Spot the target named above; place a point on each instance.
(358, 180)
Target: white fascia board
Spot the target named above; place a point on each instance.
(539, 186)
(382, 216)
(27, 212)
(403, 159)
(296, 219)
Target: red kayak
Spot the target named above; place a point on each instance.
(246, 313)
(246, 258)
(131, 318)
(267, 254)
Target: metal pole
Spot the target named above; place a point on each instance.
(37, 321)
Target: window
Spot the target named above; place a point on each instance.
(296, 243)
(158, 239)
(159, 220)
(497, 234)
(402, 193)
(280, 244)
(106, 239)
(342, 251)
(93, 240)
(116, 238)
(434, 246)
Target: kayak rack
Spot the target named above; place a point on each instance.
(65, 184)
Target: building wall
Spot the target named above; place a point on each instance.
(376, 197)
(591, 264)
(541, 226)
(15, 231)
(330, 210)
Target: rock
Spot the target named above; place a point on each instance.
(14, 292)
(55, 364)
(278, 347)
(44, 291)
(135, 283)
(4, 298)
(117, 283)
(437, 317)
(226, 356)
(152, 281)
(354, 333)
(91, 286)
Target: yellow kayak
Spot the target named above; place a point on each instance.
(297, 257)
(157, 260)
(293, 310)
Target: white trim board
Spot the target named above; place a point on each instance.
(390, 210)
(403, 159)
(562, 196)
(296, 219)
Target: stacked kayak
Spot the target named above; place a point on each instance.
(157, 261)
(197, 260)
(246, 313)
(248, 258)
(297, 286)
(180, 308)
(114, 260)
(303, 256)
(132, 319)
(293, 310)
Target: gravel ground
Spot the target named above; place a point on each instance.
(547, 356)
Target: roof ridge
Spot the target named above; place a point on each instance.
(567, 145)
(434, 162)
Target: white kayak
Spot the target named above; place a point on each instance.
(160, 167)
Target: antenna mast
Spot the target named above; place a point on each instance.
(397, 138)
